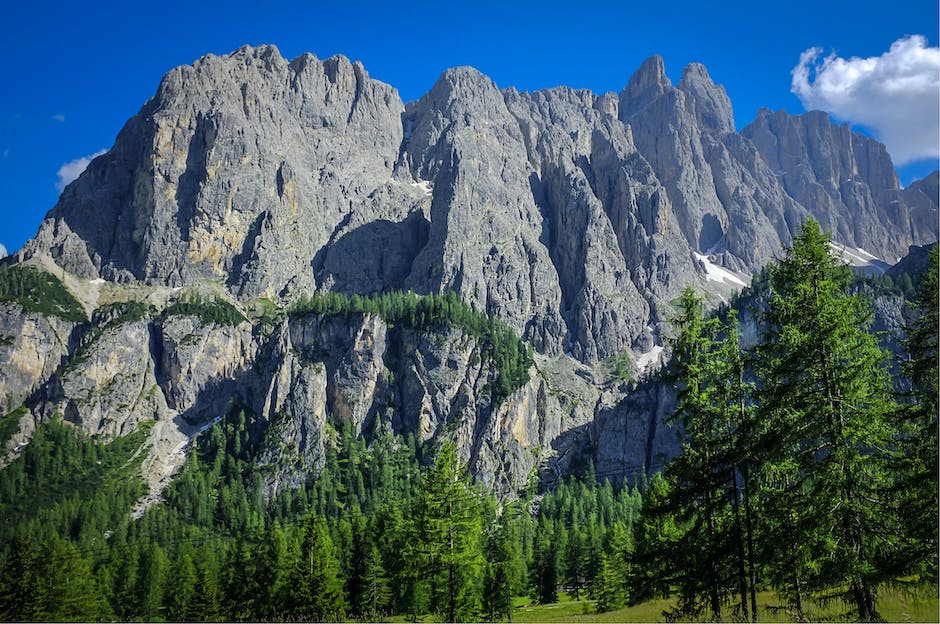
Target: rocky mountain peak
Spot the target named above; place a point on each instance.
(575, 219)
(461, 91)
(650, 75)
(646, 85)
(929, 186)
(571, 216)
(712, 105)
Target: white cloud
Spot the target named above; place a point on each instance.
(896, 95)
(72, 169)
(59, 117)
(3, 251)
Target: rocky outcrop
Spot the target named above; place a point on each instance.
(331, 372)
(200, 368)
(241, 167)
(846, 181)
(609, 223)
(32, 347)
(109, 385)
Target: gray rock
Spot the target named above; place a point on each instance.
(846, 181)
(32, 347)
(109, 384)
(241, 167)
(576, 218)
(570, 215)
(201, 368)
(485, 226)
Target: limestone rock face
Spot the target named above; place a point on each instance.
(574, 217)
(485, 226)
(201, 367)
(609, 225)
(241, 167)
(320, 373)
(109, 384)
(847, 182)
(32, 347)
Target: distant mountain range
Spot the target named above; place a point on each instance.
(250, 181)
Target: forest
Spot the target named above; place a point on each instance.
(808, 468)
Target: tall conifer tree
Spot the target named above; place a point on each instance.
(703, 550)
(919, 428)
(824, 398)
(317, 585)
(447, 537)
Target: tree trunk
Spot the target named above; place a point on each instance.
(742, 576)
(752, 573)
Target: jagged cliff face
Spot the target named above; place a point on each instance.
(298, 378)
(575, 217)
(571, 215)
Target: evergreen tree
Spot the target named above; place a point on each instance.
(446, 546)
(703, 551)
(497, 580)
(317, 585)
(204, 605)
(919, 428)
(179, 593)
(23, 597)
(376, 595)
(126, 598)
(240, 588)
(151, 583)
(544, 570)
(608, 587)
(824, 400)
(617, 557)
(654, 560)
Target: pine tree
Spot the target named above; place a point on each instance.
(126, 582)
(824, 399)
(23, 597)
(240, 585)
(317, 584)
(497, 580)
(617, 557)
(654, 561)
(446, 545)
(179, 593)
(703, 552)
(919, 427)
(544, 570)
(376, 594)
(276, 566)
(151, 583)
(608, 587)
(204, 605)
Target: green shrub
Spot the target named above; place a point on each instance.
(211, 311)
(510, 356)
(38, 291)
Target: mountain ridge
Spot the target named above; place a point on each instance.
(575, 218)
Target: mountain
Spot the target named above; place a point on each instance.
(249, 182)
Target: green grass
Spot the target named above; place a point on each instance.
(894, 604)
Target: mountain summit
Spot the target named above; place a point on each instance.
(544, 208)
(573, 217)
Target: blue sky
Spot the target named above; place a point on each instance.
(72, 75)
